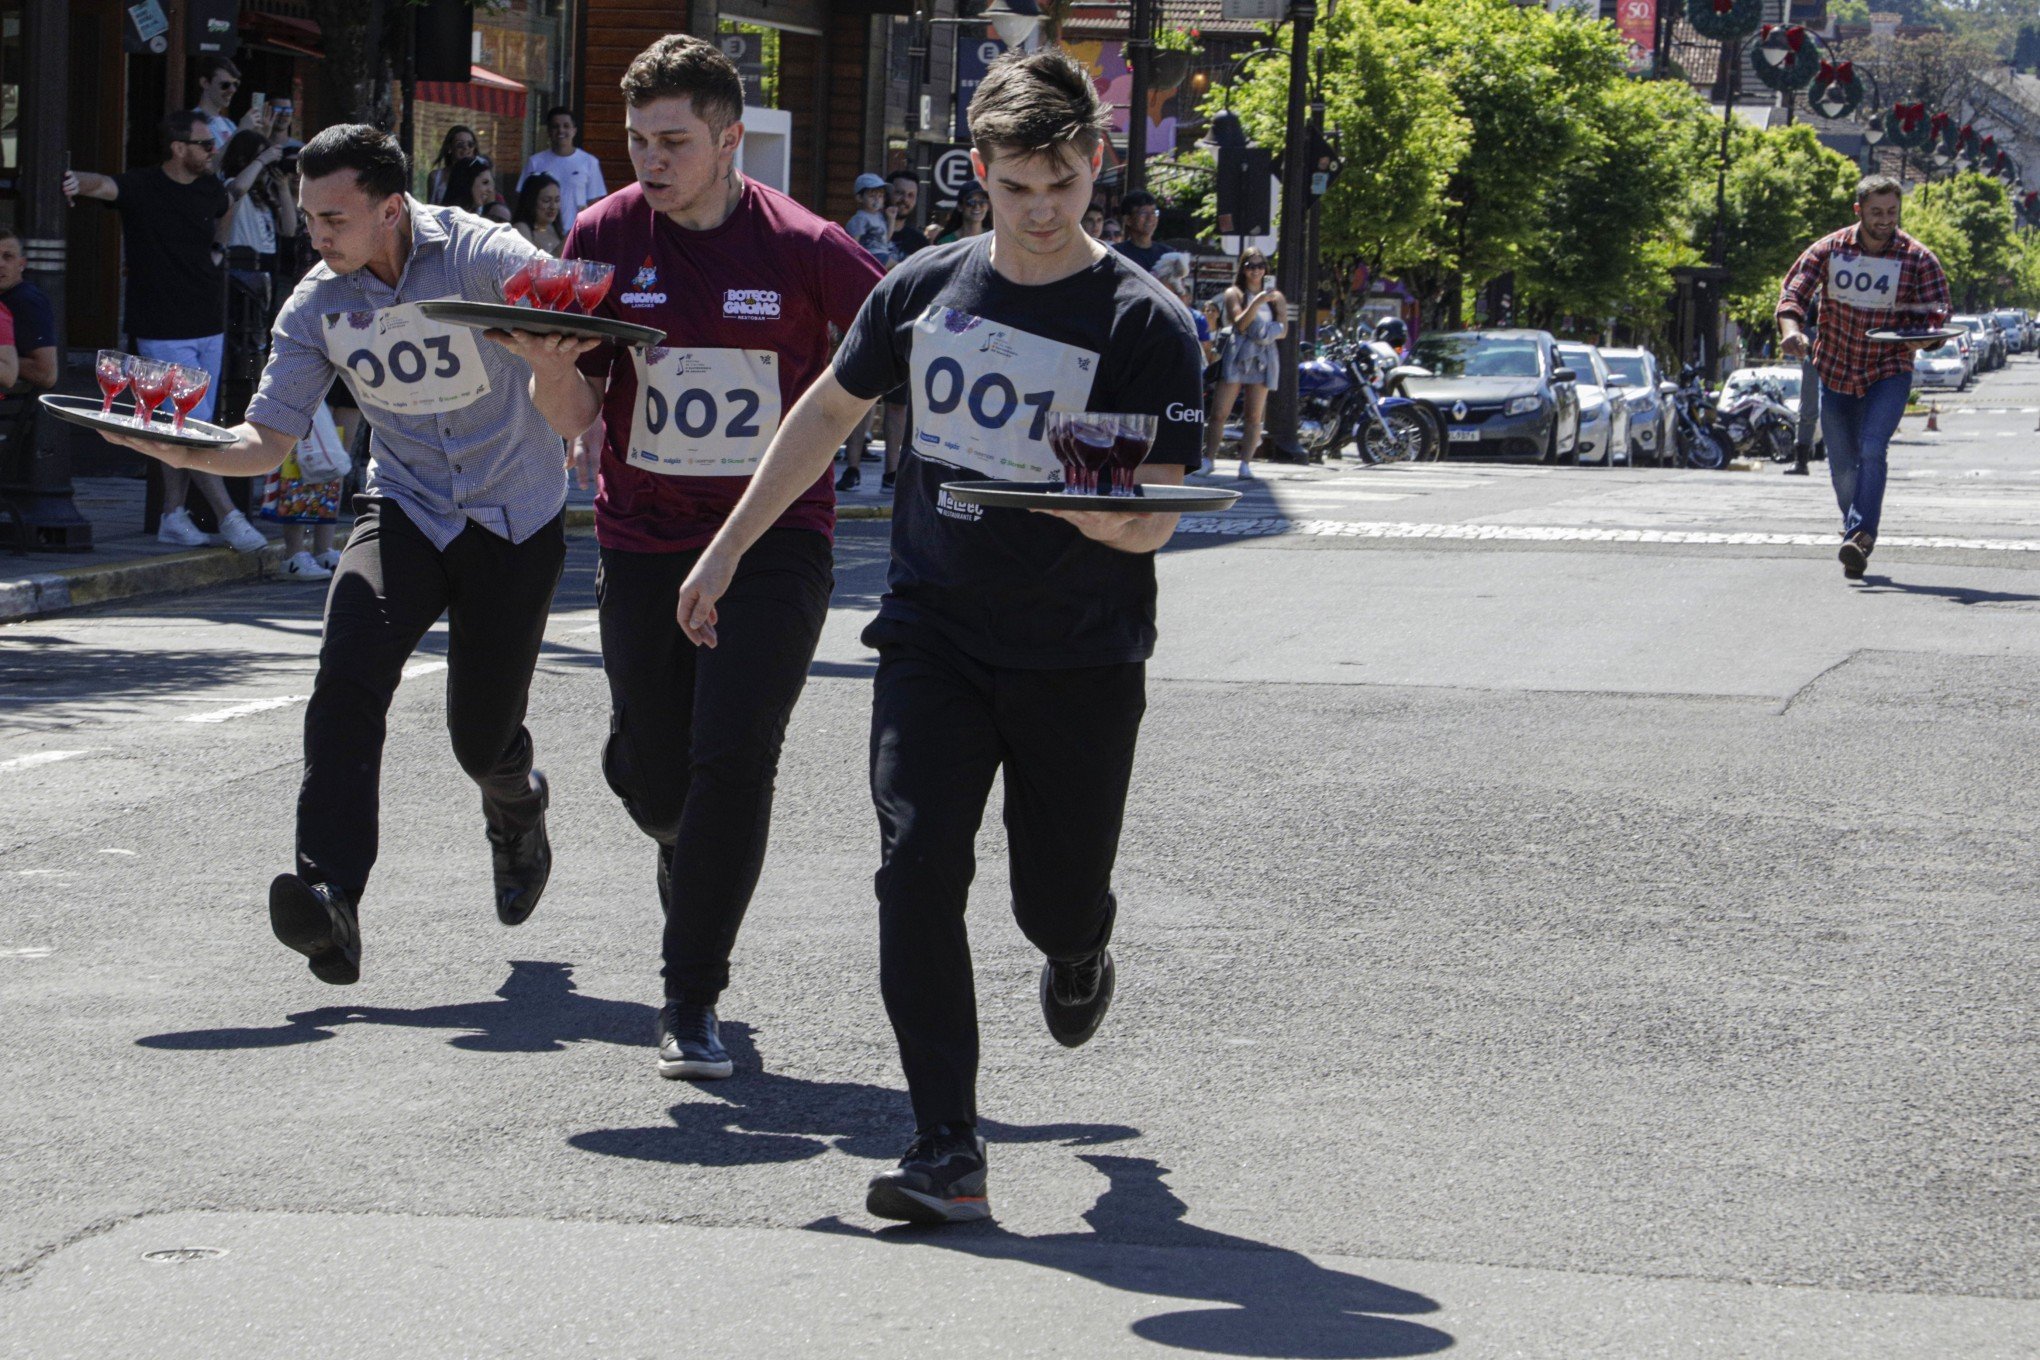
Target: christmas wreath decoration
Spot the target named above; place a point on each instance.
(1836, 92)
(1725, 20)
(2030, 207)
(1786, 60)
(1908, 127)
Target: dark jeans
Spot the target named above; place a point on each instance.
(942, 725)
(695, 732)
(1858, 431)
(391, 587)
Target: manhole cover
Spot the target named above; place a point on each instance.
(183, 1254)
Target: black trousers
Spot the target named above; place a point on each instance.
(695, 732)
(391, 587)
(942, 725)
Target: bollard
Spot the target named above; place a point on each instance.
(1933, 417)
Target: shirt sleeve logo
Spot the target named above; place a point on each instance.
(754, 304)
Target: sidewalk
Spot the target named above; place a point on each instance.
(126, 562)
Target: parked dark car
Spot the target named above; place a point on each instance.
(1502, 392)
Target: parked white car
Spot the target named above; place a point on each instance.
(1941, 367)
(1650, 411)
(1604, 414)
(1786, 376)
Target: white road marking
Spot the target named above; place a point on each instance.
(115, 850)
(220, 715)
(1242, 527)
(27, 952)
(418, 668)
(29, 762)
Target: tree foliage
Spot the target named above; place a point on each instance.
(1967, 222)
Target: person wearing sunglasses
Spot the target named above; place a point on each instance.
(1257, 315)
(972, 216)
(176, 294)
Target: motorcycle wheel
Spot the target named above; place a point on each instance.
(1780, 444)
(1706, 451)
(1398, 437)
(1434, 439)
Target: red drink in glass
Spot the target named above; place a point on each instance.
(111, 371)
(591, 283)
(1083, 449)
(517, 284)
(187, 390)
(554, 286)
(152, 385)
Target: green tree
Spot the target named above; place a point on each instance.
(1967, 222)
(1785, 191)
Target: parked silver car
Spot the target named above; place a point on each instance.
(1990, 342)
(1650, 409)
(1604, 414)
(1941, 367)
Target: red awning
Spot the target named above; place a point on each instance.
(483, 91)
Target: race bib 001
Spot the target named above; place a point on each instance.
(1863, 281)
(400, 361)
(983, 391)
(704, 412)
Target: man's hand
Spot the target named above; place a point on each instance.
(175, 455)
(706, 584)
(1795, 345)
(1103, 526)
(550, 356)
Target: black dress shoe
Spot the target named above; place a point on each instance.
(1075, 996)
(321, 922)
(523, 863)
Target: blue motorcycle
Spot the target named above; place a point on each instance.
(1351, 391)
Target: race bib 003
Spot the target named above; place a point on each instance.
(704, 412)
(400, 361)
(1863, 281)
(983, 391)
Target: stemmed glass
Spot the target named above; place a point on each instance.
(591, 283)
(555, 283)
(111, 370)
(152, 383)
(187, 389)
(519, 278)
(1100, 450)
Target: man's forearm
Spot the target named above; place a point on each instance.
(568, 400)
(260, 450)
(39, 367)
(802, 450)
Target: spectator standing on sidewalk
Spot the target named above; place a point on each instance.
(1258, 315)
(176, 285)
(35, 322)
(537, 215)
(1139, 217)
(471, 186)
(10, 360)
(459, 145)
(578, 172)
(218, 79)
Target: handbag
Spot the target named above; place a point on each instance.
(321, 456)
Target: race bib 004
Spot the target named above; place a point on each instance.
(400, 361)
(983, 391)
(1863, 281)
(704, 412)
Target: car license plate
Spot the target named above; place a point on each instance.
(1464, 434)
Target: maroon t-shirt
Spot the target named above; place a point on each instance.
(747, 309)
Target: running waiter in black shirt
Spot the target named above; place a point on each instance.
(1008, 640)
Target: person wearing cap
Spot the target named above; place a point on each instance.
(868, 226)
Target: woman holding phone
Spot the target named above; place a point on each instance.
(1259, 316)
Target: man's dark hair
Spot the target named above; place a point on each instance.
(907, 175)
(1036, 104)
(1872, 185)
(554, 112)
(212, 64)
(681, 66)
(375, 158)
(1139, 198)
(10, 234)
(176, 127)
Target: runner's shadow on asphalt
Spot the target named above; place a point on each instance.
(1884, 585)
(1275, 1302)
(538, 1010)
(760, 1116)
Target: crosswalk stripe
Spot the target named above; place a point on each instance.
(1243, 527)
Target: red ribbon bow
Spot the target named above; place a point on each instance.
(1795, 37)
(1909, 114)
(1840, 73)
(1723, 6)
(1939, 123)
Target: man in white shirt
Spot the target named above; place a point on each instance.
(579, 173)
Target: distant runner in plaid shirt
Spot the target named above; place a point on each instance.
(1867, 277)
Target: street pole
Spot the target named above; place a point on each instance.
(1140, 52)
(1310, 253)
(1731, 59)
(1289, 257)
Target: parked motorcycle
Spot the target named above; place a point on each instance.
(1758, 424)
(1348, 393)
(1695, 423)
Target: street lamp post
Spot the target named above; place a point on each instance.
(1140, 51)
(1296, 168)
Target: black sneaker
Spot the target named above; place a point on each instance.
(851, 479)
(886, 482)
(689, 1044)
(1855, 555)
(1075, 997)
(321, 922)
(522, 863)
(940, 1180)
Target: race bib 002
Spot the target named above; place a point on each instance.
(400, 361)
(983, 391)
(1863, 281)
(704, 412)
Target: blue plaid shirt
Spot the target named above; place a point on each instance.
(456, 438)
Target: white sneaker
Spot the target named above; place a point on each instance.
(329, 559)
(242, 536)
(177, 528)
(1246, 471)
(1206, 468)
(305, 567)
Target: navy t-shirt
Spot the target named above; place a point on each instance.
(35, 322)
(984, 360)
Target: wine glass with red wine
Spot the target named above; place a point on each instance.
(111, 370)
(152, 385)
(518, 279)
(591, 283)
(1100, 450)
(554, 285)
(187, 389)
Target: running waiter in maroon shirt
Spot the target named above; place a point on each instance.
(747, 285)
(1870, 276)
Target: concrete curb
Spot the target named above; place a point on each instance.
(53, 592)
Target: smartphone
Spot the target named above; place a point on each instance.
(256, 101)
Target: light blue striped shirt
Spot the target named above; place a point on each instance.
(456, 438)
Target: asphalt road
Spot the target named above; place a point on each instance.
(1560, 917)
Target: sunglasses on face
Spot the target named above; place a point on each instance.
(975, 202)
(226, 84)
(208, 143)
(1255, 264)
